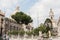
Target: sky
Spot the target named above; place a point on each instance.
(37, 9)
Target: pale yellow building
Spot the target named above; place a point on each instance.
(55, 23)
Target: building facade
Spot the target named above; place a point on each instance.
(9, 24)
(2, 27)
(55, 23)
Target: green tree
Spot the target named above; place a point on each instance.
(42, 28)
(49, 27)
(14, 32)
(48, 24)
(21, 17)
(36, 31)
(29, 33)
(21, 32)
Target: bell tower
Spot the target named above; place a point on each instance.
(51, 14)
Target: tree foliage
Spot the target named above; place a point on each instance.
(21, 17)
(14, 32)
(43, 28)
(46, 27)
(21, 32)
(36, 31)
(48, 24)
(29, 33)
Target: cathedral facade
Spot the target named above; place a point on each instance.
(55, 23)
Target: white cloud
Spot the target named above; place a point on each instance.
(42, 7)
(8, 6)
(8, 3)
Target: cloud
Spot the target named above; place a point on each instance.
(8, 3)
(41, 9)
(7, 6)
